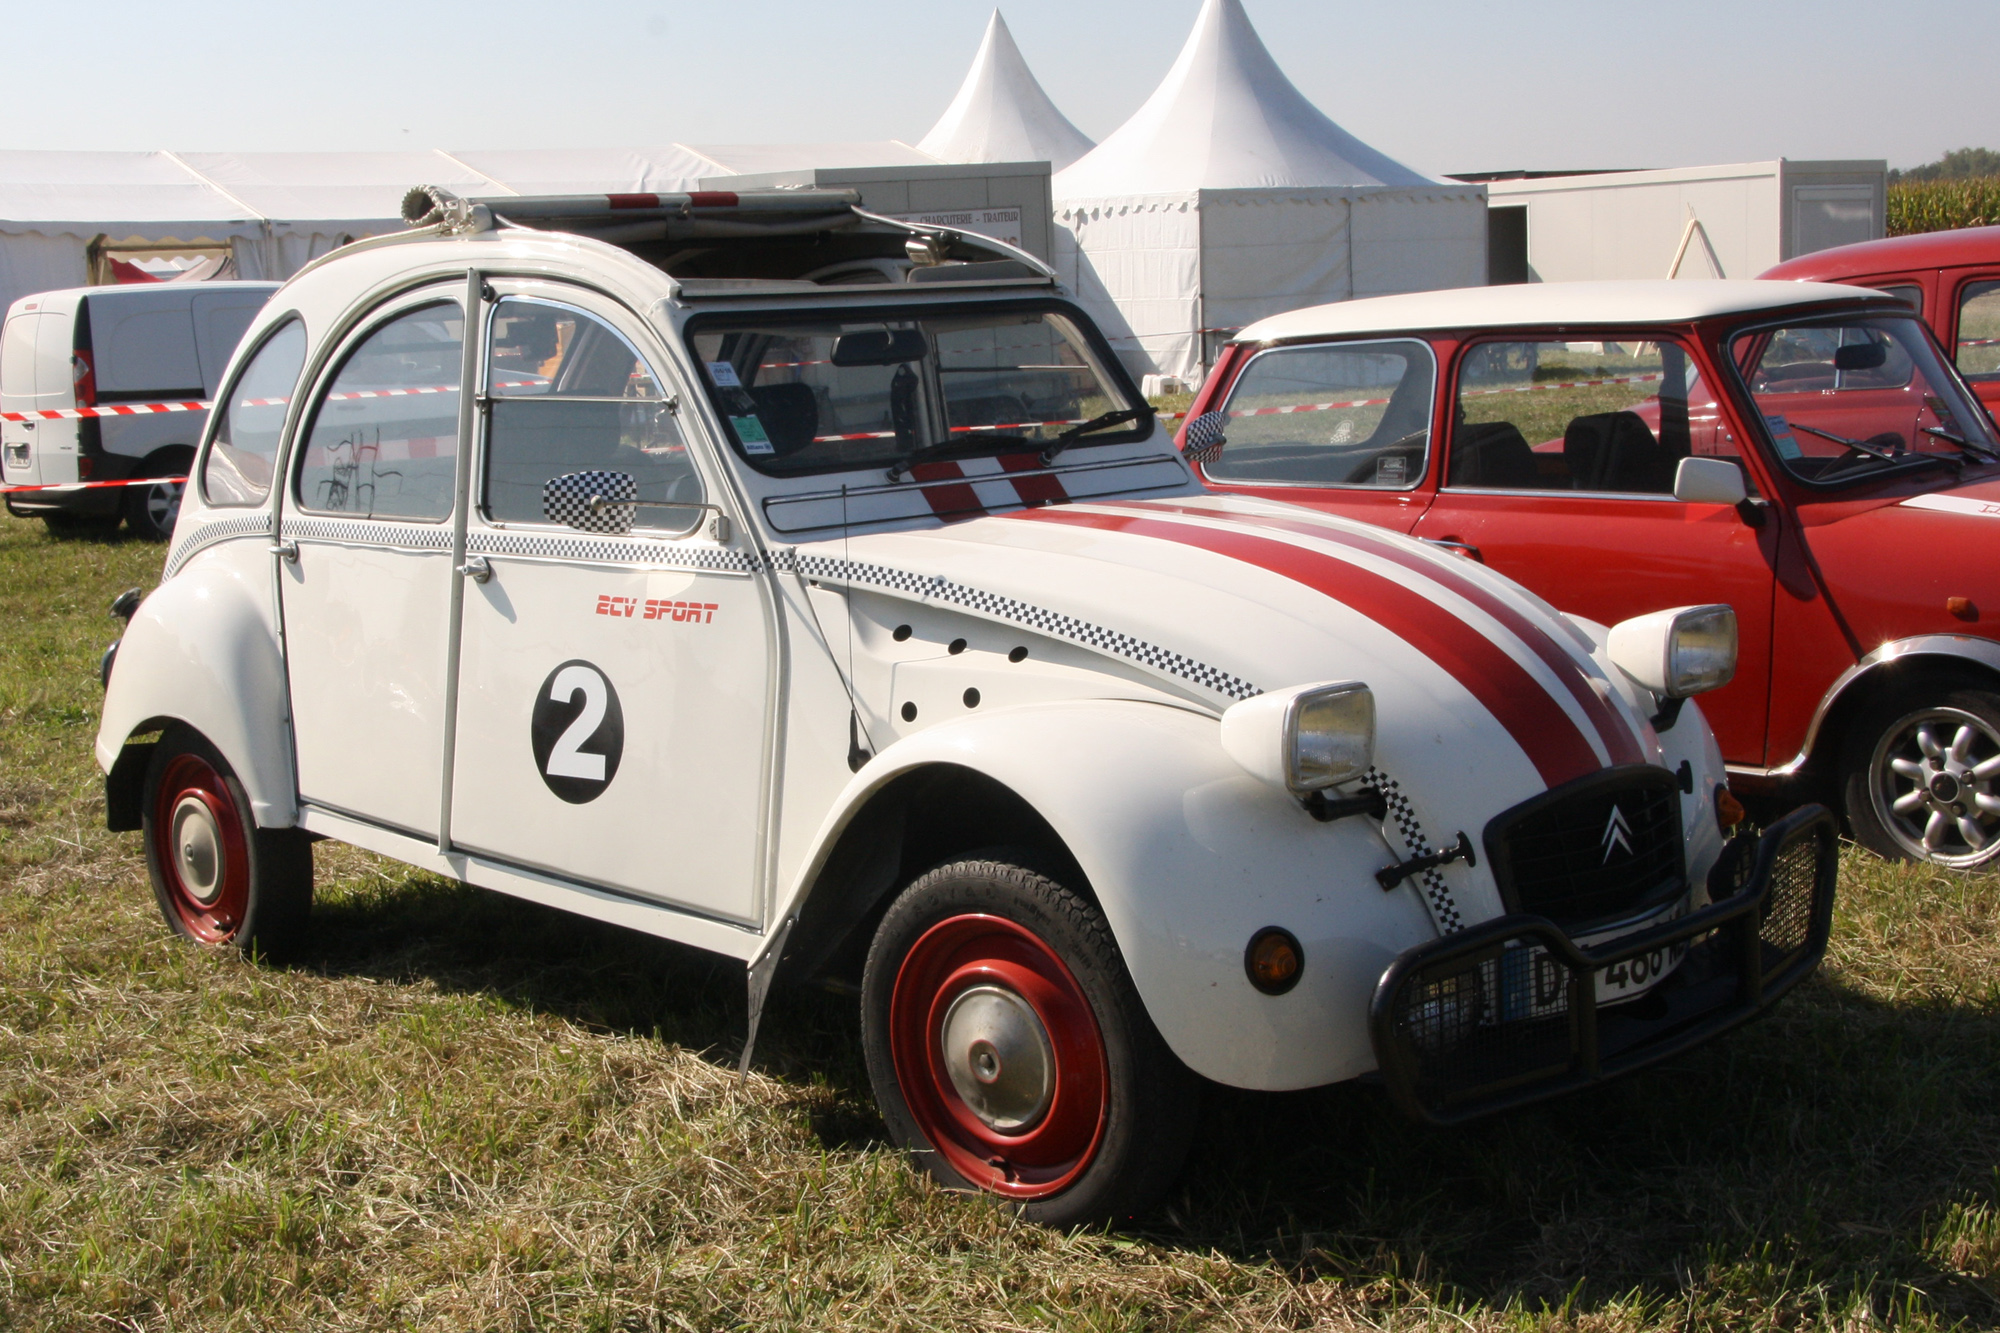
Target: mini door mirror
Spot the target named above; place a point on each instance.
(591, 501)
(1204, 438)
(1709, 481)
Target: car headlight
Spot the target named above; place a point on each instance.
(1304, 738)
(1688, 650)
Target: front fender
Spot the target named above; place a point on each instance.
(1189, 857)
(203, 650)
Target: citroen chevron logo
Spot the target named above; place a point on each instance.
(1617, 833)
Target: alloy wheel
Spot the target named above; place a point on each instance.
(1935, 782)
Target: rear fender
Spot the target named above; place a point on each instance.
(202, 651)
(1188, 857)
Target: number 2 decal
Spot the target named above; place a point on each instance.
(578, 732)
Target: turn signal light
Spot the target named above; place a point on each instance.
(1273, 960)
(1729, 811)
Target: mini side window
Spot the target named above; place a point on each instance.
(1978, 351)
(571, 395)
(1348, 414)
(384, 438)
(251, 420)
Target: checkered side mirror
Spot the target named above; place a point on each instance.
(591, 501)
(1204, 439)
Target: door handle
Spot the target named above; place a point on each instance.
(476, 568)
(1464, 550)
(286, 550)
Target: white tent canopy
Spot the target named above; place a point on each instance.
(1001, 113)
(1228, 196)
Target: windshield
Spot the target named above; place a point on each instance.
(1846, 400)
(807, 394)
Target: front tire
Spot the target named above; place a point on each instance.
(1920, 775)
(1010, 1053)
(218, 878)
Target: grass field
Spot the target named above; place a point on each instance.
(459, 1112)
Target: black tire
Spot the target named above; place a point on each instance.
(969, 948)
(1943, 823)
(219, 879)
(151, 511)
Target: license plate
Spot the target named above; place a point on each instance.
(1534, 985)
(1635, 976)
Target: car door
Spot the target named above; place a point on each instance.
(18, 393)
(1560, 475)
(366, 575)
(614, 663)
(1975, 336)
(1344, 427)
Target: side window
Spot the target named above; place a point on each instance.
(1908, 293)
(238, 467)
(1979, 331)
(1346, 414)
(1605, 417)
(384, 437)
(571, 395)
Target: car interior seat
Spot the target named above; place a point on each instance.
(1616, 451)
(790, 413)
(1492, 455)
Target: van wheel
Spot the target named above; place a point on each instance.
(1920, 773)
(218, 878)
(151, 511)
(1010, 1053)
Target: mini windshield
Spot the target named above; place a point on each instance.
(806, 394)
(1847, 400)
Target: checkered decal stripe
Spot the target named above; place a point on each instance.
(208, 534)
(604, 551)
(1040, 619)
(367, 532)
(1437, 894)
(566, 499)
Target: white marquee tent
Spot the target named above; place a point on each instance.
(1228, 196)
(272, 212)
(1001, 113)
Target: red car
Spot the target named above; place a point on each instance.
(1951, 277)
(1803, 452)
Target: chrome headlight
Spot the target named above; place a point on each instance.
(1304, 738)
(1688, 650)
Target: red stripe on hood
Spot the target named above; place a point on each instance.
(1040, 490)
(948, 501)
(1546, 734)
(1612, 728)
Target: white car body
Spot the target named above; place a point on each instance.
(324, 673)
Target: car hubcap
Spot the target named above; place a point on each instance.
(163, 505)
(198, 848)
(997, 1054)
(1935, 781)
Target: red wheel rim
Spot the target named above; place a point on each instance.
(199, 847)
(990, 962)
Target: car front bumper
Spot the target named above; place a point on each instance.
(1508, 1012)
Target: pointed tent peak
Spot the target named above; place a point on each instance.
(1226, 117)
(1001, 113)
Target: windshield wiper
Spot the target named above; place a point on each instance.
(1857, 445)
(968, 448)
(1966, 446)
(1070, 436)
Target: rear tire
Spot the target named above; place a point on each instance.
(1920, 775)
(1010, 1053)
(218, 878)
(152, 511)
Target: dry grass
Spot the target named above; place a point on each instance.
(460, 1112)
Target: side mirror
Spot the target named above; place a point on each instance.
(880, 347)
(591, 501)
(1203, 440)
(1709, 481)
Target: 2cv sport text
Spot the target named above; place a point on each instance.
(816, 589)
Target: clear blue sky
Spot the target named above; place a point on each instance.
(1445, 85)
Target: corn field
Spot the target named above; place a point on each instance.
(1943, 205)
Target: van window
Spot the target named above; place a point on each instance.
(570, 394)
(238, 468)
(143, 347)
(220, 319)
(384, 438)
(1979, 331)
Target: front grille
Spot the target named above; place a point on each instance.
(1598, 847)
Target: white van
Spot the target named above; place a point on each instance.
(99, 346)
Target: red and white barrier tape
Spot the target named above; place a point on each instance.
(149, 409)
(92, 485)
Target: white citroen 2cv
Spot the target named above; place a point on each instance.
(816, 589)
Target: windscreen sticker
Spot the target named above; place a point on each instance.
(750, 430)
(1781, 435)
(724, 375)
(1391, 470)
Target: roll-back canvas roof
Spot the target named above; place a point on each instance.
(1001, 113)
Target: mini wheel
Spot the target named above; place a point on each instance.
(1920, 773)
(218, 878)
(1010, 1053)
